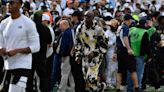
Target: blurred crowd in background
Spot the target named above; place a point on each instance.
(93, 45)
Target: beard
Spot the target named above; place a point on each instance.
(89, 23)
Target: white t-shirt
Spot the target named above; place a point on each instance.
(59, 9)
(67, 12)
(33, 6)
(47, 3)
(63, 4)
(80, 9)
(15, 34)
(50, 49)
(111, 39)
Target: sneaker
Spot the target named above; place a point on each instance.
(103, 86)
(110, 86)
(140, 90)
(143, 87)
(159, 89)
(123, 87)
(118, 90)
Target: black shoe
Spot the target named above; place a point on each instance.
(139, 90)
(118, 90)
(136, 89)
(143, 87)
(102, 87)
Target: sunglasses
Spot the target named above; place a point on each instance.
(87, 16)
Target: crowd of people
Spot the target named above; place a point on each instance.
(81, 45)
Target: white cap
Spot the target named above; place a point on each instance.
(143, 14)
(26, 0)
(92, 2)
(45, 17)
(106, 14)
(128, 0)
(126, 5)
(162, 13)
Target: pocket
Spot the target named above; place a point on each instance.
(22, 82)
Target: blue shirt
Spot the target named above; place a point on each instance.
(66, 43)
(124, 32)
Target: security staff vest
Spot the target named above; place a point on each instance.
(136, 35)
(151, 31)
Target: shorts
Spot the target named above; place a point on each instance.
(125, 61)
(16, 77)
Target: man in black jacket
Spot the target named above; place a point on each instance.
(66, 44)
(39, 64)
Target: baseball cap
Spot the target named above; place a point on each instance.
(127, 17)
(112, 22)
(82, 1)
(143, 20)
(135, 17)
(76, 13)
(11, 1)
(45, 17)
(128, 1)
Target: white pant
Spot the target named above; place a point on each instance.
(66, 75)
(111, 68)
(16, 88)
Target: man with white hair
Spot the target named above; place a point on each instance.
(66, 45)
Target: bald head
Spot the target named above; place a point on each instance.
(64, 24)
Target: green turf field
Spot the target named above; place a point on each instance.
(149, 89)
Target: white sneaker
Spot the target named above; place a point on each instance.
(159, 89)
(123, 88)
(103, 87)
(109, 86)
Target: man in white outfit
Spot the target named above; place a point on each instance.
(18, 40)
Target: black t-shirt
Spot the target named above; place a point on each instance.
(45, 38)
(155, 40)
(145, 46)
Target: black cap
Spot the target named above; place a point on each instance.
(127, 17)
(76, 13)
(21, 2)
(143, 21)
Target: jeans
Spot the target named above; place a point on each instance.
(55, 70)
(139, 70)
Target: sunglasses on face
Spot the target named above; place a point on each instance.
(87, 16)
